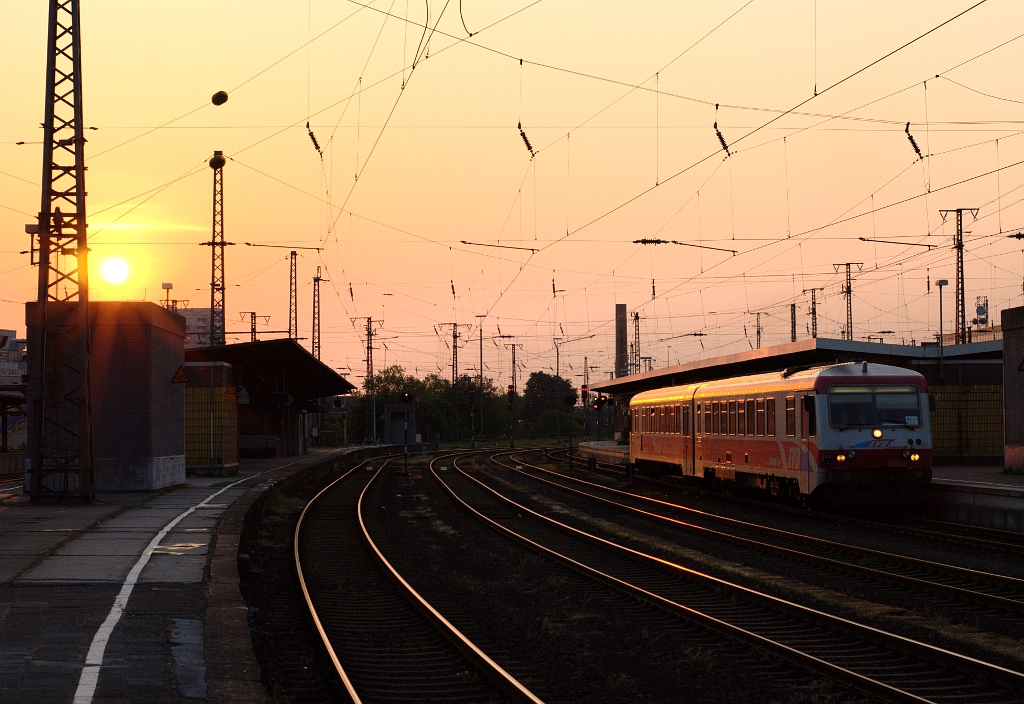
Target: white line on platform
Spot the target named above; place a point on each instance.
(94, 659)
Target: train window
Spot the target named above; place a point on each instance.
(760, 416)
(790, 416)
(803, 417)
(684, 421)
(750, 416)
(769, 416)
(741, 417)
(716, 424)
(679, 420)
(707, 419)
(732, 418)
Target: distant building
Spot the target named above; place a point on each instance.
(12, 358)
(197, 326)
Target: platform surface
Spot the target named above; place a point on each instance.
(61, 568)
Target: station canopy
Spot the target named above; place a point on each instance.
(260, 364)
(802, 354)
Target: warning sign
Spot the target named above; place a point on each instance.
(180, 377)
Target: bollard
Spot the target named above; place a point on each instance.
(543, 455)
(629, 472)
(592, 464)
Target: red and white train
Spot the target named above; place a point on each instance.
(842, 433)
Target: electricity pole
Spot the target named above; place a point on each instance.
(480, 384)
(370, 381)
(293, 296)
(758, 330)
(217, 245)
(513, 391)
(958, 245)
(848, 292)
(252, 324)
(455, 376)
(60, 419)
(316, 313)
(814, 310)
(636, 343)
(792, 322)
(558, 378)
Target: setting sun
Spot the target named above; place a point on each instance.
(115, 271)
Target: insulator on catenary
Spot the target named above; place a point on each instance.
(312, 136)
(913, 142)
(722, 139)
(526, 140)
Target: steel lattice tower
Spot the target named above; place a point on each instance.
(958, 245)
(293, 296)
(316, 313)
(636, 343)
(848, 292)
(60, 424)
(216, 245)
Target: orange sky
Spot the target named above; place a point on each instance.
(451, 166)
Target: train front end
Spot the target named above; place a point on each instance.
(875, 446)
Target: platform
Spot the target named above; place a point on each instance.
(977, 496)
(183, 633)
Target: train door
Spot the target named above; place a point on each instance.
(806, 419)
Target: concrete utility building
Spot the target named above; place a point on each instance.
(138, 428)
(967, 425)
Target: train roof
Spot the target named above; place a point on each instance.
(788, 379)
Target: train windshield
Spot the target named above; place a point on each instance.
(873, 406)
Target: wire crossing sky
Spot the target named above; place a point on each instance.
(505, 159)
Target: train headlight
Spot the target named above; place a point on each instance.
(906, 454)
(840, 458)
(877, 432)
(853, 453)
(915, 457)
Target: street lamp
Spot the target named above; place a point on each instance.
(941, 283)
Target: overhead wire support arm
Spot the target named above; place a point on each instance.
(906, 244)
(500, 246)
(656, 241)
(279, 246)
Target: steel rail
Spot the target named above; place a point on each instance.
(508, 682)
(883, 575)
(862, 632)
(463, 644)
(1004, 546)
(342, 675)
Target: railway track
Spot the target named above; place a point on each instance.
(954, 533)
(947, 582)
(386, 642)
(874, 661)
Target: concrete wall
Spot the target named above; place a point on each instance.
(138, 439)
(138, 414)
(1013, 387)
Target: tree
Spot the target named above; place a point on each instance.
(545, 392)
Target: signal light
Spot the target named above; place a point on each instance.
(405, 397)
(511, 391)
(472, 395)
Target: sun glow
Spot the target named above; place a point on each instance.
(115, 271)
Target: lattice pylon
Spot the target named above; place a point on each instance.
(60, 427)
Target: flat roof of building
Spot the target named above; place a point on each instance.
(813, 351)
(305, 376)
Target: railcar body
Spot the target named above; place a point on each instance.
(844, 433)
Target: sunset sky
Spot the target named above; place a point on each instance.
(618, 101)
